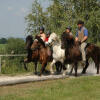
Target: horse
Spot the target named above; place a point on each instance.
(32, 55)
(42, 55)
(58, 53)
(73, 53)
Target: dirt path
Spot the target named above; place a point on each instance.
(10, 80)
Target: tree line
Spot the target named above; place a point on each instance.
(63, 13)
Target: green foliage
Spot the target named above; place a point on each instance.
(63, 13)
(12, 65)
(3, 41)
(36, 18)
(3, 48)
(15, 46)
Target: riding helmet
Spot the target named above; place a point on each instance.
(49, 32)
(69, 28)
(80, 22)
(41, 28)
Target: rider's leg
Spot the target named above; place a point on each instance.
(83, 45)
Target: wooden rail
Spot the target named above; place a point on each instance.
(10, 55)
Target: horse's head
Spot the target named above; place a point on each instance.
(29, 41)
(53, 38)
(67, 40)
(37, 44)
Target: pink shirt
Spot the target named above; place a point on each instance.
(43, 36)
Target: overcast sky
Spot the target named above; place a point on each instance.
(12, 13)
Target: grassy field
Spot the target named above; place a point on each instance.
(2, 48)
(81, 88)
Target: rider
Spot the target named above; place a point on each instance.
(47, 37)
(68, 30)
(82, 36)
(46, 42)
(42, 34)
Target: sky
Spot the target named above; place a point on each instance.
(12, 14)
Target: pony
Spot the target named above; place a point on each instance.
(43, 56)
(73, 53)
(58, 53)
(32, 55)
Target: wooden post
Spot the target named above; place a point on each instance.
(0, 64)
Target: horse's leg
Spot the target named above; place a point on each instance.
(85, 68)
(76, 69)
(97, 65)
(35, 67)
(97, 68)
(71, 70)
(51, 66)
(64, 69)
(57, 66)
(43, 68)
(26, 61)
(60, 67)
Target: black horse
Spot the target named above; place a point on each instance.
(30, 58)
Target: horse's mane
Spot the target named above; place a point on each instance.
(69, 40)
(40, 40)
(29, 37)
(56, 37)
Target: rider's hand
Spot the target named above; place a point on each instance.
(79, 42)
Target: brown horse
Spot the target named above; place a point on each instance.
(42, 55)
(73, 53)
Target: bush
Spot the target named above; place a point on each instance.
(15, 46)
(3, 41)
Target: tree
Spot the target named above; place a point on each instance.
(63, 13)
(36, 18)
(89, 12)
(3, 41)
(15, 46)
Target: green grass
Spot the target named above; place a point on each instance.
(2, 48)
(82, 88)
(12, 68)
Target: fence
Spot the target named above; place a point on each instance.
(10, 55)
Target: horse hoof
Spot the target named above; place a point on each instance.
(83, 72)
(64, 74)
(39, 74)
(35, 73)
(76, 75)
(97, 72)
(52, 73)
